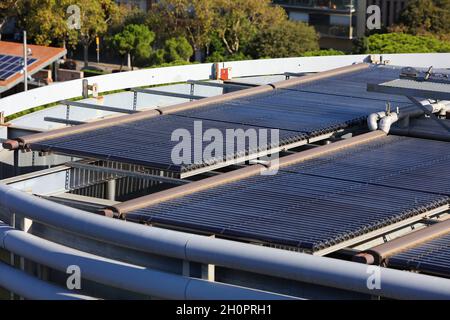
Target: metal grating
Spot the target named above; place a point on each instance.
(11, 65)
(298, 113)
(319, 203)
(432, 257)
(92, 183)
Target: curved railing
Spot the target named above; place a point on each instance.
(148, 77)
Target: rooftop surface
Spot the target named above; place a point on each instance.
(44, 55)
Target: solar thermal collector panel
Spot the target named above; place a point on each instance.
(321, 202)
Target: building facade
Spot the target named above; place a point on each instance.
(340, 21)
(390, 10)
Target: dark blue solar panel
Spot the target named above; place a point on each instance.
(318, 204)
(149, 142)
(11, 65)
(432, 257)
(300, 113)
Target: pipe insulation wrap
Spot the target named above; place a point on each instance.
(123, 275)
(387, 122)
(372, 120)
(270, 261)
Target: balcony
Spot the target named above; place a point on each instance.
(335, 31)
(341, 6)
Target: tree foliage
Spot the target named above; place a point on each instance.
(177, 49)
(405, 43)
(8, 9)
(46, 20)
(239, 21)
(192, 19)
(135, 40)
(285, 39)
(421, 16)
(325, 52)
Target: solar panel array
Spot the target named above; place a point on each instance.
(321, 202)
(432, 257)
(149, 142)
(300, 112)
(11, 65)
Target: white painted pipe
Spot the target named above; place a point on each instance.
(372, 120)
(32, 288)
(387, 121)
(384, 121)
(123, 275)
(231, 254)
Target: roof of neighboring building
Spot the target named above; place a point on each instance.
(44, 55)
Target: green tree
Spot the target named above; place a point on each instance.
(134, 40)
(47, 21)
(177, 49)
(285, 39)
(95, 18)
(192, 19)
(360, 45)
(327, 52)
(237, 22)
(405, 43)
(8, 9)
(427, 16)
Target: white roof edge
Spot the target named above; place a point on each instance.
(156, 76)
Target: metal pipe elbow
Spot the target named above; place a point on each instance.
(387, 122)
(372, 120)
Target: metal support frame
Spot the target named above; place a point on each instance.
(242, 159)
(135, 97)
(111, 190)
(423, 89)
(125, 173)
(97, 107)
(64, 121)
(217, 84)
(16, 162)
(382, 231)
(169, 94)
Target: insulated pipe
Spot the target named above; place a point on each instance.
(32, 288)
(387, 120)
(417, 133)
(378, 254)
(230, 254)
(372, 120)
(217, 99)
(123, 275)
(25, 141)
(120, 210)
(320, 76)
(265, 88)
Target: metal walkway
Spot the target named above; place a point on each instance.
(322, 204)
